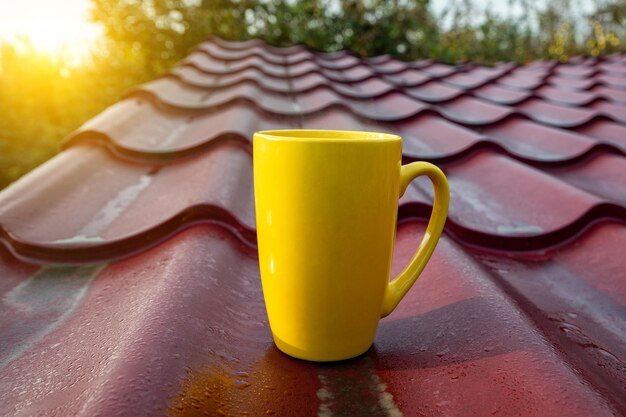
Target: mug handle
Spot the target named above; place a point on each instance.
(397, 288)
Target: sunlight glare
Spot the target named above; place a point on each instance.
(59, 27)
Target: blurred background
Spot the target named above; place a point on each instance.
(62, 62)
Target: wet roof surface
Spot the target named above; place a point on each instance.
(129, 281)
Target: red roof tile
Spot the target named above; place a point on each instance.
(129, 278)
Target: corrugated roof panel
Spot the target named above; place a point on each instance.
(614, 111)
(140, 128)
(409, 77)
(482, 353)
(558, 116)
(141, 293)
(473, 111)
(575, 71)
(502, 95)
(145, 322)
(617, 82)
(602, 175)
(481, 199)
(543, 142)
(603, 129)
(81, 179)
(522, 81)
(434, 92)
(439, 70)
(615, 95)
(133, 207)
(428, 136)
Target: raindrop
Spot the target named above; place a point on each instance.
(442, 353)
(241, 383)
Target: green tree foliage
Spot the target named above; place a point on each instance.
(42, 98)
(162, 31)
(368, 28)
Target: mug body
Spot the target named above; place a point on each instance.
(326, 208)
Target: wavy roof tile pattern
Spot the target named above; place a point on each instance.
(128, 272)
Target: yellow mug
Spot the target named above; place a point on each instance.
(326, 208)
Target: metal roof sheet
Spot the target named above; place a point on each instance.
(129, 279)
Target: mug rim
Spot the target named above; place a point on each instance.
(326, 135)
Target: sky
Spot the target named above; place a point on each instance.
(497, 6)
(502, 8)
(52, 25)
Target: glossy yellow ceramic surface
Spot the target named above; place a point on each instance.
(326, 207)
